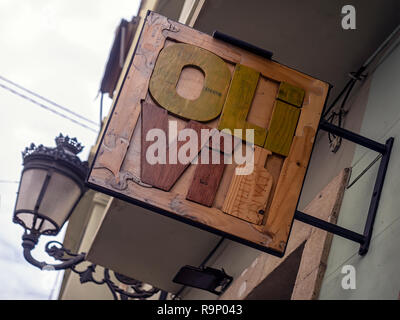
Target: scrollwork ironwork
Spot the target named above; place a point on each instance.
(134, 289)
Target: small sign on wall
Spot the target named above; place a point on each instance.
(210, 134)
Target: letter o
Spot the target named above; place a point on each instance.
(166, 73)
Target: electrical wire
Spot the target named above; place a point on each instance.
(358, 75)
(355, 76)
(332, 116)
(364, 171)
(48, 100)
(8, 181)
(47, 108)
(101, 109)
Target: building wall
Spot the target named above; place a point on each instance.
(375, 113)
(377, 273)
(251, 22)
(72, 288)
(248, 21)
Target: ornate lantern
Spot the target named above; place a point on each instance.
(52, 183)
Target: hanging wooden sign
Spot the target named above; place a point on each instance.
(165, 146)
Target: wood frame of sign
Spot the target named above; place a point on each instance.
(180, 74)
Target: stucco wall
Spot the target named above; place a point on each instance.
(73, 289)
(377, 273)
(331, 64)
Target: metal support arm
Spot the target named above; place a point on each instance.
(353, 137)
(385, 149)
(330, 227)
(29, 242)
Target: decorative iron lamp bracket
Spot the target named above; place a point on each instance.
(52, 184)
(70, 261)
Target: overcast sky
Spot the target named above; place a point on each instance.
(59, 50)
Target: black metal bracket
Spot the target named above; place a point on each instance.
(242, 44)
(384, 149)
(204, 278)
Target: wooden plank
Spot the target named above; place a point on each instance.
(177, 204)
(206, 179)
(167, 71)
(223, 142)
(282, 128)
(274, 166)
(291, 94)
(263, 103)
(238, 103)
(248, 194)
(165, 175)
(152, 117)
(288, 189)
(115, 143)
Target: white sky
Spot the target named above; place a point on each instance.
(59, 50)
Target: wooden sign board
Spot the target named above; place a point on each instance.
(181, 76)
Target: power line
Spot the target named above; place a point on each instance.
(47, 108)
(48, 101)
(8, 181)
(101, 108)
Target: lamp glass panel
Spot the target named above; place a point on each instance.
(43, 224)
(61, 195)
(31, 183)
(27, 219)
(47, 226)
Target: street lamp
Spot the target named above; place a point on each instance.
(52, 184)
